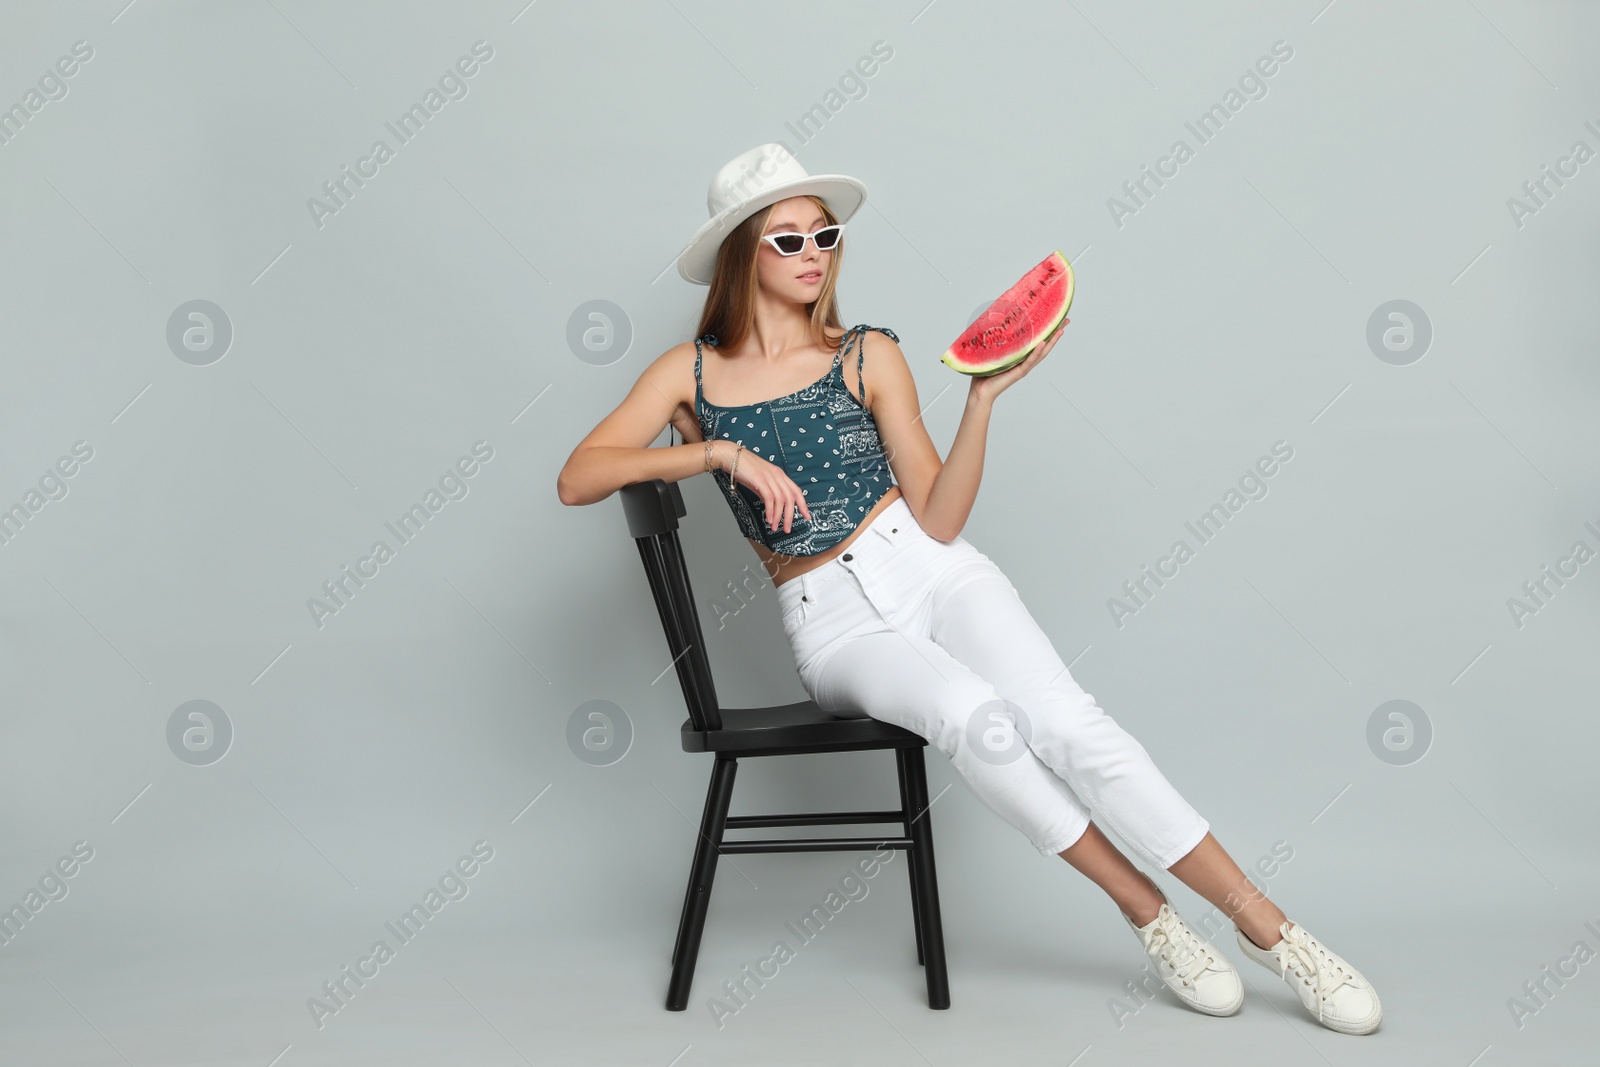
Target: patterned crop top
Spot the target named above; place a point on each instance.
(822, 437)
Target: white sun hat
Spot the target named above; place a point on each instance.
(749, 182)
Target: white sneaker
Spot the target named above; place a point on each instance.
(1336, 993)
(1189, 965)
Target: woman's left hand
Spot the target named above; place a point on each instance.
(993, 385)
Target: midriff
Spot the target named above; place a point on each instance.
(780, 568)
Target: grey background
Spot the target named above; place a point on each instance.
(369, 353)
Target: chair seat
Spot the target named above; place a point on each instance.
(794, 728)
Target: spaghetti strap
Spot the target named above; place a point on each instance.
(839, 353)
(861, 356)
(709, 339)
(697, 377)
(861, 353)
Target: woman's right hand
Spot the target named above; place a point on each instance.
(778, 492)
(992, 385)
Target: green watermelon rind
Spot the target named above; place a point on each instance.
(1025, 353)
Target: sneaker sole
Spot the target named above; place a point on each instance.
(1232, 1009)
(1363, 1027)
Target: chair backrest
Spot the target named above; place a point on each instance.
(653, 508)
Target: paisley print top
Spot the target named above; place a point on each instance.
(822, 437)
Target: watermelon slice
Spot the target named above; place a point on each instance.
(1025, 316)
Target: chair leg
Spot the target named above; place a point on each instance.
(927, 880)
(911, 854)
(688, 893)
(697, 899)
(683, 912)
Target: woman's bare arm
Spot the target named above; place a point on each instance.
(617, 452)
(940, 494)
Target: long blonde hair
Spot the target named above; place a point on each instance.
(729, 312)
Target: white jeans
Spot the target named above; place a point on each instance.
(932, 636)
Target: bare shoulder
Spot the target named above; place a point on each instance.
(880, 342)
(672, 373)
(662, 394)
(679, 356)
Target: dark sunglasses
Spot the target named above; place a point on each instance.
(791, 244)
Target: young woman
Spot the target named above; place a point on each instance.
(889, 611)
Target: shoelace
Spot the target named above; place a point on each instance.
(1300, 947)
(1176, 935)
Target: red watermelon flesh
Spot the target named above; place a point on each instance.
(1026, 315)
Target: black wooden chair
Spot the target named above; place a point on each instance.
(653, 509)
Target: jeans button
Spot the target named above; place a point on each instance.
(804, 597)
(848, 557)
(895, 529)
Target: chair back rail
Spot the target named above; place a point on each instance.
(653, 508)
